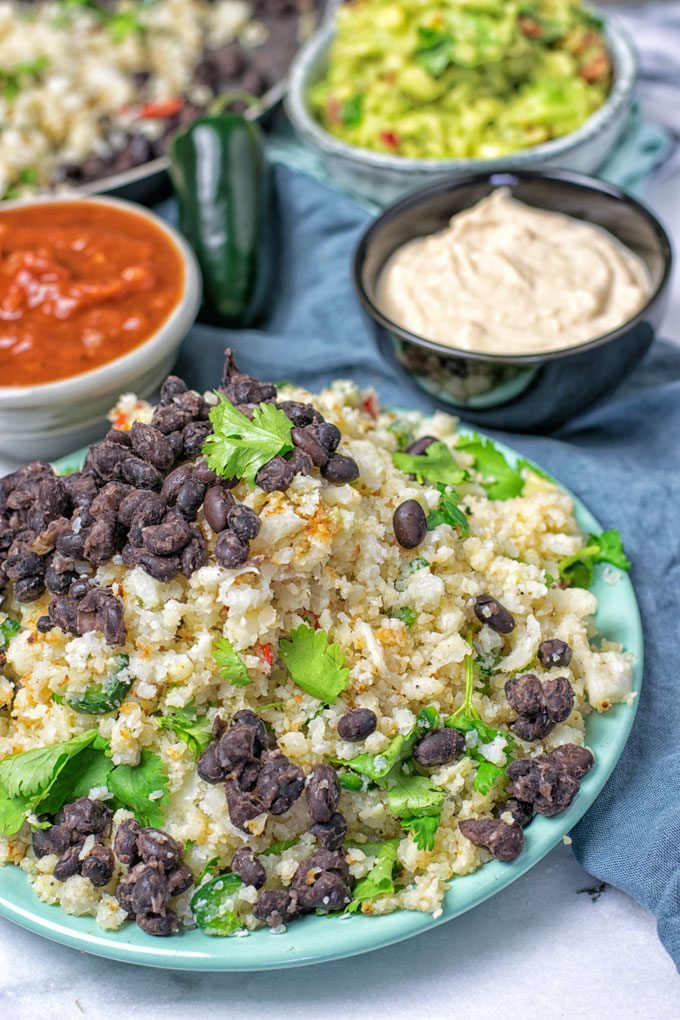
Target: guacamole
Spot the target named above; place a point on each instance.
(456, 79)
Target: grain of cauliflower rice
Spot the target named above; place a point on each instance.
(327, 555)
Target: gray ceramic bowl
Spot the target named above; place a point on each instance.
(54, 418)
(525, 392)
(383, 178)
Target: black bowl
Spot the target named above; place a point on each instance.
(526, 392)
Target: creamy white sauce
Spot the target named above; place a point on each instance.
(505, 278)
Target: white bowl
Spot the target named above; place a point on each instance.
(384, 178)
(51, 419)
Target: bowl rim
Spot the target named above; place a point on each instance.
(625, 61)
(499, 179)
(171, 330)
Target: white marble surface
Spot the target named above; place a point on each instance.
(540, 949)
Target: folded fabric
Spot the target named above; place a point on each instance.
(622, 457)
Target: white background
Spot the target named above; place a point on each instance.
(540, 949)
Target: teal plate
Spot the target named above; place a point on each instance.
(320, 939)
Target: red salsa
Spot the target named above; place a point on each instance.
(81, 284)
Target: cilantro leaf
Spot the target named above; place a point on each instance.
(231, 664)
(278, 847)
(436, 465)
(8, 628)
(422, 829)
(134, 785)
(414, 797)
(351, 111)
(88, 769)
(188, 726)
(434, 50)
(407, 616)
(315, 665)
(104, 697)
(502, 481)
(350, 781)
(448, 512)
(377, 766)
(379, 880)
(207, 905)
(487, 776)
(604, 548)
(239, 447)
(31, 773)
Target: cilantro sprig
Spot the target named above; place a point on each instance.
(423, 830)
(231, 665)
(315, 665)
(448, 512)
(436, 465)
(238, 447)
(188, 726)
(501, 480)
(579, 568)
(379, 881)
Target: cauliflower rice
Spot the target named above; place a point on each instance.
(327, 550)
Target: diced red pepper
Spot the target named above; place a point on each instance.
(390, 138)
(265, 651)
(162, 108)
(333, 109)
(370, 405)
(530, 28)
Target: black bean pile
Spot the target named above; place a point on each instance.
(547, 785)
(66, 837)
(259, 779)
(138, 495)
(540, 705)
(155, 875)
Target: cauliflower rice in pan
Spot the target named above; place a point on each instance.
(474, 620)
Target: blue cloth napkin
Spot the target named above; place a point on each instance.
(622, 457)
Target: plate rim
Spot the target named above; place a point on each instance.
(367, 933)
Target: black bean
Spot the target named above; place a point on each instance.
(543, 783)
(100, 540)
(530, 728)
(109, 498)
(205, 475)
(524, 777)
(244, 522)
(525, 694)
(161, 925)
(54, 840)
(157, 845)
(242, 805)
(276, 475)
(88, 817)
(322, 793)
(168, 537)
(503, 841)
(71, 544)
(179, 879)
(329, 436)
(176, 443)
(554, 653)
(53, 498)
(489, 610)
(170, 418)
(69, 864)
(171, 388)
(245, 717)
(119, 436)
(140, 508)
(217, 503)
(307, 440)
(340, 469)
(81, 487)
(279, 783)
(230, 551)
(521, 811)
(439, 747)
(127, 884)
(193, 404)
(24, 565)
(245, 864)
(100, 610)
(44, 625)
(125, 843)
(357, 724)
(193, 437)
(150, 444)
(242, 388)
(274, 908)
(174, 482)
(190, 498)
(331, 834)
(409, 524)
(150, 893)
(574, 760)
(58, 582)
(99, 865)
(63, 612)
(29, 589)
(300, 462)
(209, 768)
(300, 414)
(162, 568)
(238, 746)
(141, 474)
(419, 446)
(559, 698)
(194, 555)
(107, 458)
(46, 540)
(316, 887)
